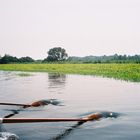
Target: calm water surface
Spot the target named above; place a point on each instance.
(79, 96)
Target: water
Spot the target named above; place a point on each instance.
(79, 96)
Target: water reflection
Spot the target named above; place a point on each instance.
(67, 131)
(5, 76)
(56, 82)
(82, 94)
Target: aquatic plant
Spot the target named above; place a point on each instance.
(128, 72)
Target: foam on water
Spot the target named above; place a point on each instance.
(8, 136)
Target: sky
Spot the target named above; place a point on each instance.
(82, 27)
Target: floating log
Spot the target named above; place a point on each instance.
(91, 117)
(35, 104)
(13, 104)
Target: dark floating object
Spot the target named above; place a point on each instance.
(92, 117)
(79, 123)
(45, 102)
(36, 103)
(106, 114)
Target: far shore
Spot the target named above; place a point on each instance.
(127, 72)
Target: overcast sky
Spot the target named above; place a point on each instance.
(82, 27)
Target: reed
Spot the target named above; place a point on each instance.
(128, 72)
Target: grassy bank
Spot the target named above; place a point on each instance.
(130, 72)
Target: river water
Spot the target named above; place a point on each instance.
(78, 96)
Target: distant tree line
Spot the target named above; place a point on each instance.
(59, 55)
(106, 59)
(6, 59)
(56, 54)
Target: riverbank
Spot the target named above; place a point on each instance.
(128, 72)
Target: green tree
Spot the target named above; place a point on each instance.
(8, 59)
(26, 59)
(57, 54)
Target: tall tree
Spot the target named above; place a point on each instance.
(57, 54)
(8, 59)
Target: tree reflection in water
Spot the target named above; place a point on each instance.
(56, 82)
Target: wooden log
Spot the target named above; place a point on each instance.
(91, 117)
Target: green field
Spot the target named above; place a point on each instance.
(128, 72)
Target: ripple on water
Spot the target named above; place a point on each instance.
(81, 96)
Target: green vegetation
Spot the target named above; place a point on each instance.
(7, 59)
(59, 55)
(105, 59)
(128, 72)
(56, 54)
(24, 74)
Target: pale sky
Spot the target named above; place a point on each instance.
(82, 27)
